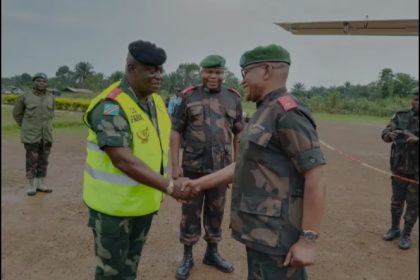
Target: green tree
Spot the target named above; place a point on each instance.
(116, 76)
(231, 81)
(404, 84)
(82, 70)
(386, 82)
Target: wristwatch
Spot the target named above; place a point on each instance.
(310, 235)
(170, 187)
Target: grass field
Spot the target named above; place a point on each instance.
(72, 121)
(62, 120)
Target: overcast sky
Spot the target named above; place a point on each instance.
(42, 35)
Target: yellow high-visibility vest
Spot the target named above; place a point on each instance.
(106, 188)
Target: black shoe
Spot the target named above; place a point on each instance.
(183, 270)
(405, 242)
(392, 234)
(213, 258)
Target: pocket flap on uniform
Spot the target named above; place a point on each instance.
(266, 206)
(194, 149)
(260, 137)
(196, 108)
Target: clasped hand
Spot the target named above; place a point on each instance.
(185, 189)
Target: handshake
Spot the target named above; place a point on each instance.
(183, 189)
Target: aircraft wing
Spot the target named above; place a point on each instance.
(405, 27)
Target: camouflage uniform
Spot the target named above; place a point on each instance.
(277, 147)
(206, 120)
(34, 113)
(118, 240)
(404, 161)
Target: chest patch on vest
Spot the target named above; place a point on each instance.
(111, 109)
(287, 102)
(143, 135)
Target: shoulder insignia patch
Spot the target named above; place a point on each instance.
(114, 93)
(187, 91)
(111, 109)
(235, 91)
(287, 102)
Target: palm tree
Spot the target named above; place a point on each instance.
(82, 70)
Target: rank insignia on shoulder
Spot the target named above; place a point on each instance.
(114, 93)
(235, 91)
(287, 102)
(187, 91)
(111, 109)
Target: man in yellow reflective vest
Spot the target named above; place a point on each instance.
(127, 155)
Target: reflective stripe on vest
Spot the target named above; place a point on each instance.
(106, 188)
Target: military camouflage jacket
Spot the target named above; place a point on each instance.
(404, 156)
(277, 147)
(207, 121)
(112, 128)
(34, 113)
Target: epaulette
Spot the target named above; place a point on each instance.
(187, 91)
(287, 102)
(114, 93)
(235, 91)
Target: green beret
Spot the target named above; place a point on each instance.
(147, 53)
(39, 76)
(271, 53)
(213, 61)
(415, 91)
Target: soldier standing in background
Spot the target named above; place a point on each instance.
(34, 113)
(204, 122)
(277, 197)
(403, 132)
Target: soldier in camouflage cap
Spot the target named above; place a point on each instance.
(34, 113)
(277, 197)
(126, 163)
(403, 132)
(207, 122)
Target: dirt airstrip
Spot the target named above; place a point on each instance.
(46, 237)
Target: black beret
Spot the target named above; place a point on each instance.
(147, 53)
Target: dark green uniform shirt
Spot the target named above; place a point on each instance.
(34, 113)
(207, 121)
(112, 129)
(276, 148)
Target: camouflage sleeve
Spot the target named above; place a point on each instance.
(19, 109)
(179, 116)
(110, 125)
(298, 138)
(393, 124)
(238, 124)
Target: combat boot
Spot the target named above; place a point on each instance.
(392, 234)
(213, 258)
(40, 185)
(405, 240)
(183, 270)
(32, 187)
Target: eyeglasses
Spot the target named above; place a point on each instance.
(246, 71)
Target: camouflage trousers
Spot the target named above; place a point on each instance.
(37, 159)
(118, 244)
(405, 192)
(262, 266)
(213, 202)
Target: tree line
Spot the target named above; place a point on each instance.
(379, 97)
